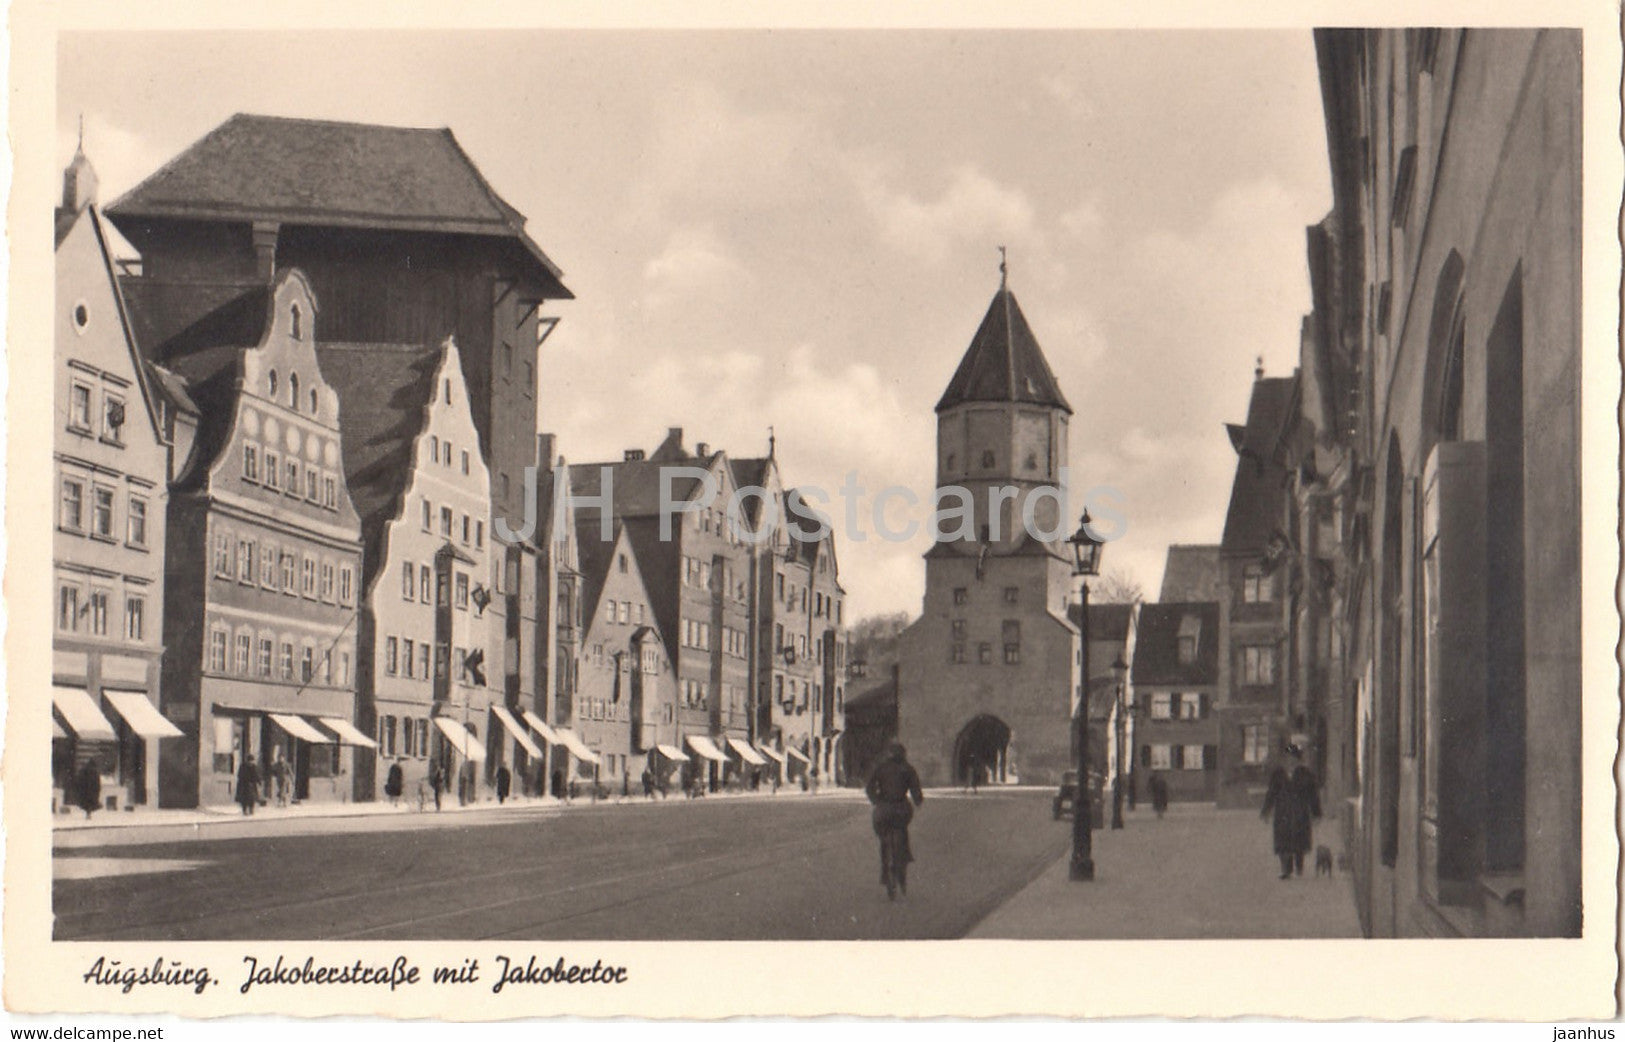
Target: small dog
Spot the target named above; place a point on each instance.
(1323, 860)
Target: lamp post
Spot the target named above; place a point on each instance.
(1086, 562)
(1120, 674)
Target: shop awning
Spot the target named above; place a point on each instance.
(56, 729)
(771, 753)
(672, 753)
(83, 717)
(577, 747)
(460, 739)
(537, 724)
(517, 731)
(142, 716)
(702, 745)
(798, 754)
(347, 732)
(746, 753)
(299, 728)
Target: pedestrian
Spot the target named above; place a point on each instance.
(558, 784)
(1294, 798)
(626, 784)
(88, 787)
(648, 784)
(975, 773)
(465, 783)
(891, 785)
(437, 781)
(1159, 793)
(248, 785)
(394, 783)
(279, 778)
(504, 782)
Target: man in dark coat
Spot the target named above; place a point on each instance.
(437, 781)
(394, 782)
(891, 785)
(248, 785)
(1295, 798)
(89, 786)
(1159, 793)
(504, 783)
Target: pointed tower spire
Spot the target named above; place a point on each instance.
(1004, 362)
(772, 442)
(79, 179)
(1004, 269)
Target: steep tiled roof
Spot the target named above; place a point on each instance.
(1004, 362)
(383, 392)
(210, 376)
(1156, 646)
(1107, 622)
(1256, 496)
(1191, 573)
(635, 484)
(317, 172)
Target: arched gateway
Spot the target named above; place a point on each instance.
(983, 746)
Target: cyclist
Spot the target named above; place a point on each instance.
(892, 784)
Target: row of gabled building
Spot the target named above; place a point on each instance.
(304, 514)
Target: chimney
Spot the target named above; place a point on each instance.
(702, 450)
(547, 447)
(634, 455)
(265, 236)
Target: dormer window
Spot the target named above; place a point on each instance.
(295, 324)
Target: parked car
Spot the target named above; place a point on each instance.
(1067, 797)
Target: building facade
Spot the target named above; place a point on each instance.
(990, 674)
(262, 568)
(1446, 353)
(111, 448)
(1179, 702)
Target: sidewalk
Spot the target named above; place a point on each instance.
(407, 810)
(1197, 873)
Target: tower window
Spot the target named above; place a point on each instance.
(296, 329)
(987, 458)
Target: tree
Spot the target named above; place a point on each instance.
(1116, 587)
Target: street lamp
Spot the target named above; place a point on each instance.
(1086, 562)
(1120, 674)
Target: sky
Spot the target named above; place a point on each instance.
(800, 229)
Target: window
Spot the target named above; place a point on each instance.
(135, 528)
(307, 663)
(1012, 594)
(243, 650)
(409, 581)
(465, 461)
(1258, 664)
(442, 589)
(268, 567)
(330, 493)
(386, 734)
(467, 529)
(434, 448)
(445, 522)
(425, 584)
(428, 524)
(287, 573)
(287, 660)
(346, 584)
(625, 612)
(67, 609)
(101, 513)
(79, 408)
(423, 660)
(957, 652)
(135, 618)
(251, 463)
(1162, 706)
(270, 383)
(344, 668)
(479, 534)
(461, 592)
(314, 400)
(961, 595)
(222, 555)
(73, 505)
(293, 379)
(445, 457)
(313, 490)
(392, 657)
(1190, 707)
(1012, 654)
(113, 418)
(328, 581)
(609, 611)
(423, 737)
(217, 650)
(327, 667)
(293, 477)
(263, 665)
(245, 561)
(984, 653)
(273, 472)
(1187, 649)
(1162, 757)
(295, 330)
(1255, 585)
(307, 577)
(1254, 743)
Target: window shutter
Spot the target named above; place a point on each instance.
(1210, 757)
(1145, 756)
(1176, 757)
(1202, 707)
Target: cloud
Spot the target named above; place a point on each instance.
(695, 266)
(971, 208)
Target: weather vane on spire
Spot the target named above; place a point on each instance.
(1004, 268)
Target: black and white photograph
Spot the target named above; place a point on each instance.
(553, 496)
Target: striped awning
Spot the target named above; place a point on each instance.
(771, 753)
(300, 728)
(518, 732)
(537, 724)
(746, 753)
(82, 715)
(672, 753)
(703, 745)
(798, 754)
(348, 733)
(459, 738)
(142, 716)
(577, 747)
